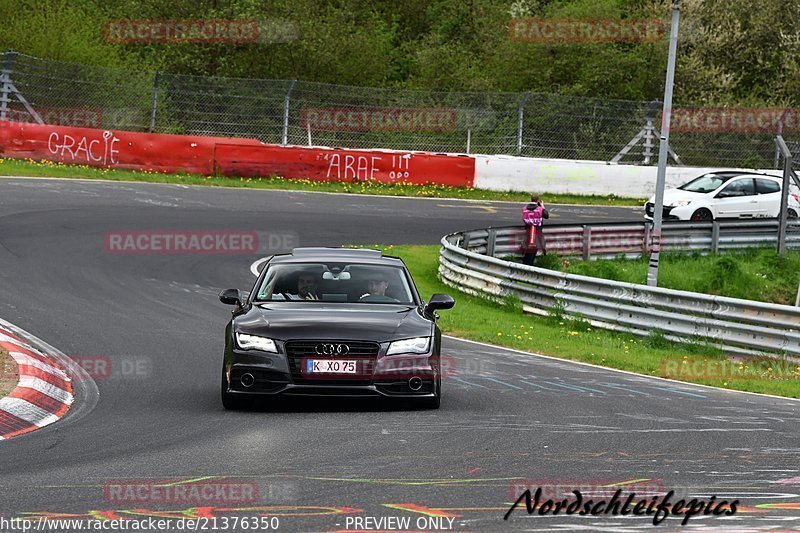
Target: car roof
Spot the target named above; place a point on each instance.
(354, 255)
(728, 174)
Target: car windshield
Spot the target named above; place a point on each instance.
(335, 282)
(705, 183)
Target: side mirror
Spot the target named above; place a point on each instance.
(230, 297)
(440, 301)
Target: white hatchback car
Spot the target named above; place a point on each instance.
(725, 195)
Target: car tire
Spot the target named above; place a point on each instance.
(702, 215)
(230, 401)
(792, 213)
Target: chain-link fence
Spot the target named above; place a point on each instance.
(299, 112)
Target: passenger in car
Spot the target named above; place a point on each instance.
(376, 289)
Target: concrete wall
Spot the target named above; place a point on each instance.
(509, 173)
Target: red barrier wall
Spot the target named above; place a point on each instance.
(117, 149)
(227, 156)
(337, 164)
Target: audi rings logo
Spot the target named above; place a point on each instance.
(332, 349)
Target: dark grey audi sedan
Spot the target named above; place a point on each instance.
(333, 321)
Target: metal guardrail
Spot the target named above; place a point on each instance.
(631, 239)
(745, 327)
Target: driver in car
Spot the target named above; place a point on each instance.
(376, 290)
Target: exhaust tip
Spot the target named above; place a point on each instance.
(415, 383)
(247, 380)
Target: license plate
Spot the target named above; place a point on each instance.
(328, 366)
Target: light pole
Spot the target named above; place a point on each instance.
(663, 148)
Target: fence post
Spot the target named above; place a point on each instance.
(587, 242)
(491, 240)
(8, 66)
(520, 114)
(469, 138)
(787, 170)
(779, 133)
(285, 138)
(156, 82)
(715, 237)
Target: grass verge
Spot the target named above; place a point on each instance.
(9, 373)
(754, 274)
(15, 167)
(486, 321)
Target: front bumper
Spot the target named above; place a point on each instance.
(666, 212)
(381, 375)
(681, 212)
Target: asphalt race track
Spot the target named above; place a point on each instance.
(507, 418)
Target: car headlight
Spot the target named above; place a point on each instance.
(415, 345)
(680, 203)
(254, 342)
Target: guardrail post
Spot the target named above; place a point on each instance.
(465, 242)
(715, 237)
(285, 138)
(155, 101)
(491, 239)
(587, 242)
(8, 66)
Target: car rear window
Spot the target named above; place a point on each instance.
(767, 186)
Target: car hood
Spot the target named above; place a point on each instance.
(676, 195)
(301, 320)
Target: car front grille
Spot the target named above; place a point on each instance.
(649, 209)
(365, 353)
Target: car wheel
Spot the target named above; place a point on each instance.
(702, 215)
(792, 213)
(229, 401)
